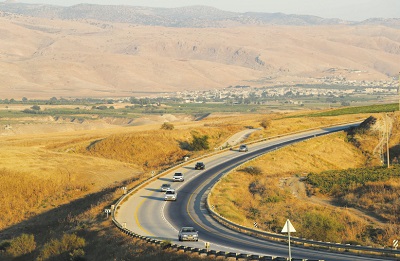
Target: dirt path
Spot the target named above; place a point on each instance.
(239, 137)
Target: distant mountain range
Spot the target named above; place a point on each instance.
(191, 16)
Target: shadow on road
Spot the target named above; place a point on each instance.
(154, 198)
(153, 189)
(166, 179)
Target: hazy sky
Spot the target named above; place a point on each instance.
(345, 9)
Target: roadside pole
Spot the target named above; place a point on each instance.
(287, 228)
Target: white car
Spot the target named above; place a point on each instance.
(178, 176)
(170, 194)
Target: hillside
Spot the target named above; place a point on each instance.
(77, 174)
(360, 206)
(47, 52)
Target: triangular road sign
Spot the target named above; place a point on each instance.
(288, 227)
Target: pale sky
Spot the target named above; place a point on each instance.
(354, 10)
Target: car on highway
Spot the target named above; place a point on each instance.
(188, 234)
(178, 176)
(170, 194)
(243, 148)
(165, 187)
(199, 165)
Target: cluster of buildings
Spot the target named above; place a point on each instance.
(249, 94)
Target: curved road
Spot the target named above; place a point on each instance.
(146, 213)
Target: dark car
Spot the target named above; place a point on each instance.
(199, 165)
(188, 233)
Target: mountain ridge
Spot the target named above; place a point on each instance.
(43, 57)
(188, 16)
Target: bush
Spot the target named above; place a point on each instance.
(69, 244)
(21, 245)
(166, 244)
(167, 126)
(256, 187)
(265, 123)
(199, 143)
(77, 255)
(35, 107)
(252, 170)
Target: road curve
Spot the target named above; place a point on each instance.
(146, 213)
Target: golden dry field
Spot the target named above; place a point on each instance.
(57, 183)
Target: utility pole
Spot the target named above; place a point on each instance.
(387, 140)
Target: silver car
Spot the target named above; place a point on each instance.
(165, 187)
(188, 233)
(170, 194)
(243, 148)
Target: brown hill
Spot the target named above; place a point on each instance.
(42, 58)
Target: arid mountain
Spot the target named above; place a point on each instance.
(193, 16)
(110, 51)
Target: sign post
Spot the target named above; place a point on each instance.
(395, 244)
(287, 228)
(207, 246)
(107, 211)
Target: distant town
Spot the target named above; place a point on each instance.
(329, 89)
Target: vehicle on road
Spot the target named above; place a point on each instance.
(178, 176)
(188, 234)
(243, 148)
(199, 165)
(165, 187)
(170, 194)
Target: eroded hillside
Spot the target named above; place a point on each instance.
(43, 58)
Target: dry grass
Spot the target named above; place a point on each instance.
(43, 171)
(47, 179)
(277, 194)
(155, 149)
(277, 200)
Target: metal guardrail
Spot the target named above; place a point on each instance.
(220, 218)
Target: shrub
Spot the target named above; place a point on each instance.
(21, 245)
(256, 187)
(35, 107)
(265, 123)
(167, 126)
(166, 244)
(68, 244)
(77, 255)
(199, 143)
(252, 170)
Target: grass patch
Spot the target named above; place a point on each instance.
(339, 182)
(355, 110)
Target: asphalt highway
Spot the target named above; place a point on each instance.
(146, 213)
